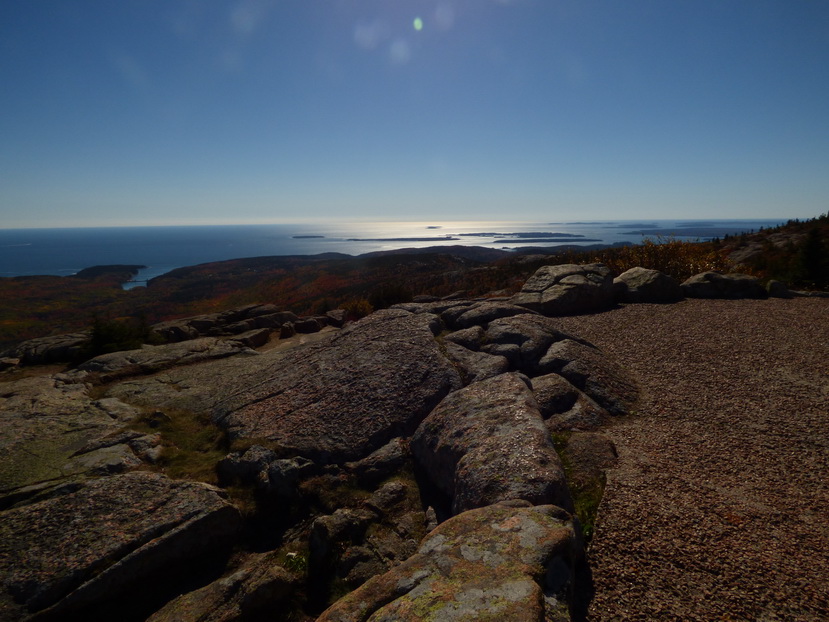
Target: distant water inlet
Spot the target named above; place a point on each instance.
(64, 252)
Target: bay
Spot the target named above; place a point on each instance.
(62, 252)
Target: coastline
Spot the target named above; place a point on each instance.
(62, 252)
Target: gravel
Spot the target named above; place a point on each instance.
(719, 506)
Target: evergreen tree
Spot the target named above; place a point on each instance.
(813, 260)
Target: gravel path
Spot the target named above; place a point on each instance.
(719, 507)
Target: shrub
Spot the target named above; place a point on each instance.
(357, 308)
(389, 294)
(116, 335)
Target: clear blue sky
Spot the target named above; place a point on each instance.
(197, 111)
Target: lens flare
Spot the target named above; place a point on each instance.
(418, 24)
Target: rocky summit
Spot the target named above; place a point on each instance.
(423, 463)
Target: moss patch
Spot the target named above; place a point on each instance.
(192, 444)
(586, 494)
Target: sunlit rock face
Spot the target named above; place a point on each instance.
(375, 380)
(488, 443)
(567, 289)
(496, 562)
(643, 285)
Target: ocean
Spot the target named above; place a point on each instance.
(62, 252)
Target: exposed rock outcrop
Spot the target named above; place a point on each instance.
(588, 369)
(497, 562)
(150, 359)
(716, 285)
(565, 407)
(53, 430)
(63, 555)
(642, 285)
(375, 380)
(55, 349)
(230, 322)
(258, 588)
(488, 443)
(371, 434)
(567, 289)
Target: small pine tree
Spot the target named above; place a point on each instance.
(813, 260)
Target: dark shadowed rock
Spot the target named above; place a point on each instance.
(357, 543)
(479, 314)
(55, 349)
(776, 289)
(257, 589)
(567, 289)
(488, 443)
(716, 285)
(336, 317)
(253, 338)
(475, 366)
(283, 475)
(380, 464)
(565, 407)
(469, 338)
(587, 368)
(374, 380)
(245, 466)
(643, 285)
(8, 363)
(69, 552)
(493, 563)
(307, 325)
(327, 532)
(523, 340)
(231, 322)
(180, 330)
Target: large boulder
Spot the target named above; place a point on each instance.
(567, 289)
(373, 381)
(589, 370)
(644, 285)
(65, 555)
(716, 285)
(565, 407)
(488, 443)
(54, 349)
(492, 563)
(523, 340)
(776, 289)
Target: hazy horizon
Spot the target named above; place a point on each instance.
(181, 113)
(425, 224)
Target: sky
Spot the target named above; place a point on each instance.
(159, 112)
